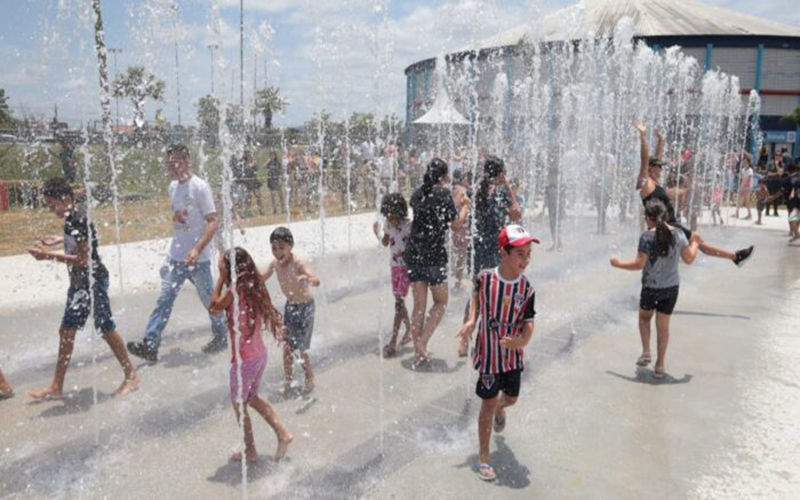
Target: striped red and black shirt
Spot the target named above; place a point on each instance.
(504, 307)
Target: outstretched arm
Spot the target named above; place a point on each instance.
(644, 151)
(659, 144)
(268, 273)
(636, 264)
(689, 252)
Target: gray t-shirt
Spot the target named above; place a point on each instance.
(661, 272)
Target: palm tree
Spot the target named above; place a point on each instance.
(268, 102)
(138, 85)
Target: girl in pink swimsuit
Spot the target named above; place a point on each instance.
(249, 354)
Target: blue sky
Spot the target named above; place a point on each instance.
(322, 53)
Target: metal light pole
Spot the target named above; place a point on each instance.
(114, 52)
(177, 65)
(241, 55)
(212, 47)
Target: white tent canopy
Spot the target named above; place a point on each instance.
(443, 112)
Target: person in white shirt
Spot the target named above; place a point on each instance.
(194, 219)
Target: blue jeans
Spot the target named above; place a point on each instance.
(173, 275)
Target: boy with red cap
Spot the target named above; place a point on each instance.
(504, 298)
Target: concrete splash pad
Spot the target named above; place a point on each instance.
(587, 425)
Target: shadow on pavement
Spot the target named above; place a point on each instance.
(434, 365)
(231, 472)
(509, 472)
(74, 402)
(646, 376)
(179, 358)
(711, 315)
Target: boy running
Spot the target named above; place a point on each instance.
(80, 241)
(504, 298)
(296, 280)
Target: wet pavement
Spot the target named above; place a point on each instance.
(588, 423)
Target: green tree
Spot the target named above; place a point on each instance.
(208, 117)
(6, 120)
(268, 102)
(138, 85)
(793, 117)
(362, 127)
(234, 120)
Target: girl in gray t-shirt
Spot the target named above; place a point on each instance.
(660, 247)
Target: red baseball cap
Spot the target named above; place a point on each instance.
(515, 235)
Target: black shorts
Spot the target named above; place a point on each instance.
(432, 275)
(662, 300)
(490, 385)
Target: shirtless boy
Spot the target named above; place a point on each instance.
(296, 280)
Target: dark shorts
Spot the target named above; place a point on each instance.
(299, 321)
(432, 275)
(79, 305)
(662, 300)
(687, 232)
(490, 385)
(274, 183)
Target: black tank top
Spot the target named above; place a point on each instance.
(659, 193)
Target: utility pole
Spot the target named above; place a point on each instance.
(241, 55)
(212, 47)
(114, 53)
(177, 65)
(178, 81)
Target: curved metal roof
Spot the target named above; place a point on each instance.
(650, 18)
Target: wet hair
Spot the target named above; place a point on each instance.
(257, 302)
(492, 167)
(393, 204)
(178, 149)
(434, 173)
(656, 211)
(58, 188)
(281, 234)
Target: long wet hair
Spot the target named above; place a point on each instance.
(656, 211)
(434, 173)
(257, 301)
(492, 167)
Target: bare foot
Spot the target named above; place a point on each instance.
(286, 389)
(283, 445)
(406, 338)
(128, 385)
(6, 393)
(45, 394)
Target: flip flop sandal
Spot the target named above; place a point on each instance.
(498, 425)
(485, 472)
(644, 360)
(659, 374)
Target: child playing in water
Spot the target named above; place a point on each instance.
(395, 235)
(80, 249)
(255, 310)
(504, 298)
(660, 246)
(296, 280)
(716, 202)
(761, 200)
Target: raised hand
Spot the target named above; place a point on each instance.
(641, 127)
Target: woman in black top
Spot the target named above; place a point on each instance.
(426, 252)
(649, 188)
(495, 207)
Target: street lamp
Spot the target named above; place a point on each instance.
(114, 52)
(212, 47)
